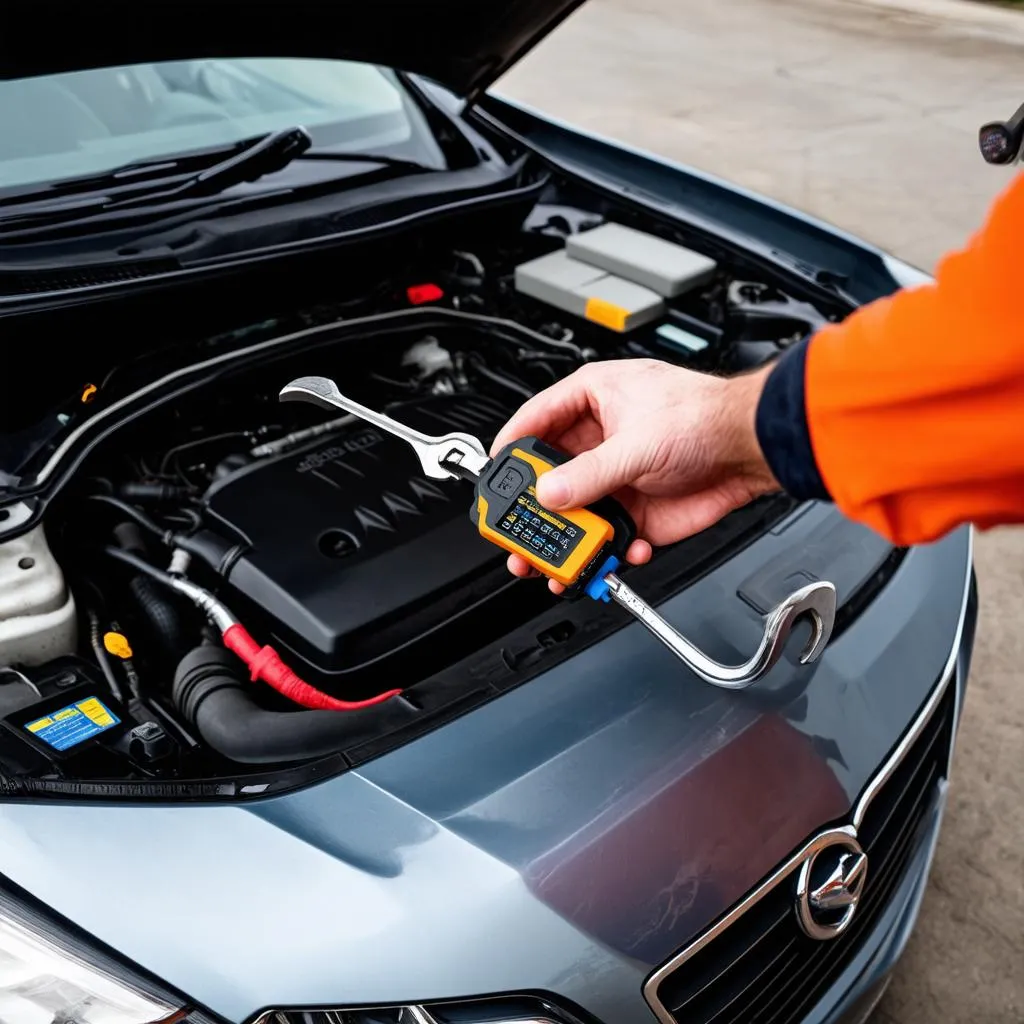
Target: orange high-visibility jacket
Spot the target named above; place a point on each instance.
(910, 413)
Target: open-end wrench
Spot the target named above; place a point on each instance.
(436, 454)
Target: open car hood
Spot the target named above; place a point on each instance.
(462, 44)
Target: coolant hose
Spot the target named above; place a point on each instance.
(211, 694)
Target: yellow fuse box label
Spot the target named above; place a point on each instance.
(74, 724)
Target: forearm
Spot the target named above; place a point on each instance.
(910, 414)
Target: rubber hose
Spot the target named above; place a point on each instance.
(211, 694)
(160, 613)
(157, 608)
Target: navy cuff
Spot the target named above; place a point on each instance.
(782, 430)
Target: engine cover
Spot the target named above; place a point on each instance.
(348, 549)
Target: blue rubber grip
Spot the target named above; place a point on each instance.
(597, 588)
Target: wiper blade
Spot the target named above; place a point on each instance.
(273, 152)
(266, 155)
(81, 197)
(91, 189)
(270, 154)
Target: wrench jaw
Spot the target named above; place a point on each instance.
(321, 391)
(439, 461)
(818, 602)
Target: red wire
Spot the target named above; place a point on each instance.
(266, 664)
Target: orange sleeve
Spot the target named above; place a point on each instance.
(915, 403)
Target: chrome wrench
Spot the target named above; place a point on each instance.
(433, 452)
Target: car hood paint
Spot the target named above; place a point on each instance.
(567, 837)
(463, 44)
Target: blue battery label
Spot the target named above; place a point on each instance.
(74, 724)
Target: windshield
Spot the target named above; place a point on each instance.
(89, 122)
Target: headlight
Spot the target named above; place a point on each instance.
(44, 981)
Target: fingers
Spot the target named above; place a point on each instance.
(519, 566)
(592, 474)
(548, 414)
(639, 553)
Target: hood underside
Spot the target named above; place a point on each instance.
(461, 44)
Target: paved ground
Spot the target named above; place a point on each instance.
(866, 115)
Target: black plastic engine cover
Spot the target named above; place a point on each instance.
(349, 550)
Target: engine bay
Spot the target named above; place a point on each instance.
(343, 568)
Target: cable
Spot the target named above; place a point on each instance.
(141, 564)
(501, 379)
(198, 442)
(264, 663)
(101, 656)
(132, 512)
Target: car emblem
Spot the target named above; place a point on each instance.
(829, 888)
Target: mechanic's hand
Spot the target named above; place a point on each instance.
(677, 448)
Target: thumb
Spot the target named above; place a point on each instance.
(590, 475)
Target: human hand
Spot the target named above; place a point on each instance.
(677, 448)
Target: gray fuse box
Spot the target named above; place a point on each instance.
(588, 291)
(664, 267)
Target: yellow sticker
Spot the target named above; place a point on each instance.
(606, 313)
(42, 723)
(95, 711)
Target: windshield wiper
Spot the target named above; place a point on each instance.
(273, 152)
(266, 155)
(270, 154)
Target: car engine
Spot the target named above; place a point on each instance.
(226, 582)
(328, 531)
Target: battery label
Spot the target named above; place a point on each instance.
(74, 724)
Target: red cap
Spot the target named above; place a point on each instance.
(420, 293)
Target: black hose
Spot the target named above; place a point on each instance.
(160, 613)
(153, 599)
(141, 564)
(156, 492)
(133, 513)
(211, 694)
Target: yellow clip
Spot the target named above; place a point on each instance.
(88, 392)
(117, 645)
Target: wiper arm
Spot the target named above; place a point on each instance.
(271, 153)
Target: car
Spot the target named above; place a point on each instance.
(282, 741)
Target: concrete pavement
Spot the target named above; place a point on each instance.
(864, 113)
